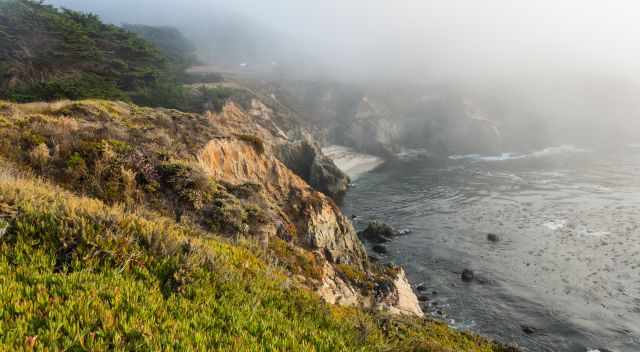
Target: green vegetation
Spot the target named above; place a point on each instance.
(170, 41)
(48, 54)
(140, 256)
(133, 155)
(211, 98)
(76, 274)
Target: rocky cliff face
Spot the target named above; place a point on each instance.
(373, 130)
(303, 216)
(305, 158)
(296, 147)
(372, 120)
(220, 171)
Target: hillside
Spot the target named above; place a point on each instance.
(130, 227)
(48, 54)
(170, 41)
(62, 255)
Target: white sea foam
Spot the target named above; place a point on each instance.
(551, 151)
(410, 154)
(582, 231)
(555, 224)
(352, 163)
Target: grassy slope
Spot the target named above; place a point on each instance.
(80, 275)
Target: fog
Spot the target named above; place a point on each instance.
(550, 51)
(422, 37)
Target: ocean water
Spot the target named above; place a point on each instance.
(568, 260)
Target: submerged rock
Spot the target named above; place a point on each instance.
(467, 275)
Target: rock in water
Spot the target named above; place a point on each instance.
(528, 329)
(467, 275)
(492, 237)
(378, 248)
(378, 232)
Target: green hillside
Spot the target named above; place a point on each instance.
(49, 54)
(118, 234)
(76, 274)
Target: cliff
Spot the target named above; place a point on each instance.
(124, 227)
(77, 273)
(386, 118)
(220, 172)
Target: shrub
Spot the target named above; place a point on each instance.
(226, 215)
(75, 87)
(4, 225)
(352, 274)
(40, 156)
(296, 260)
(186, 186)
(256, 142)
(129, 185)
(77, 168)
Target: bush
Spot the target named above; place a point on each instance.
(256, 142)
(186, 186)
(40, 156)
(77, 168)
(225, 215)
(79, 87)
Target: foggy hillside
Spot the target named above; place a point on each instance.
(571, 67)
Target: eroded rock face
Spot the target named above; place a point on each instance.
(217, 171)
(305, 158)
(335, 290)
(372, 131)
(296, 148)
(319, 225)
(405, 301)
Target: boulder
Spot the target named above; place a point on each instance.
(377, 232)
(527, 329)
(467, 275)
(381, 249)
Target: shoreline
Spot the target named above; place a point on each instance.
(352, 162)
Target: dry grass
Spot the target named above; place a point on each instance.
(43, 107)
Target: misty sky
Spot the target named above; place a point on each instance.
(411, 36)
